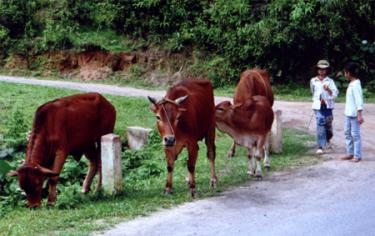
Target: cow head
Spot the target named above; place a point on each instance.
(224, 110)
(31, 178)
(167, 113)
(228, 114)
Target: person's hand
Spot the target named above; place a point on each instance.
(326, 88)
(360, 119)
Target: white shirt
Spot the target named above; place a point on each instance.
(318, 92)
(354, 98)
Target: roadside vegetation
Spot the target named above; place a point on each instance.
(214, 39)
(144, 171)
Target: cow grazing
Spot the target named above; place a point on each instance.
(184, 116)
(252, 82)
(248, 123)
(70, 125)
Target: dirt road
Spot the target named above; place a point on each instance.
(333, 198)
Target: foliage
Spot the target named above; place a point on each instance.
(285, 37)
(15, 134)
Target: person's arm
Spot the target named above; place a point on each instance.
(312, 86)
(360, 117)
(331, 89)
(358, 99)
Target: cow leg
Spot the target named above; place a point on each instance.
(60, 157)
(170, 166)
(252, 164)
(232, 150)
(193, 154)
(99, 183)
(92, 156)
(211, 155)
(259, 155)
(267, 152)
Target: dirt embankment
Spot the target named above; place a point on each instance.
(155, 66)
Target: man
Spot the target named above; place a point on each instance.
(353, 114)
(324, 91)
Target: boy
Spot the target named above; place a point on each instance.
(324, 92)
(353, 114)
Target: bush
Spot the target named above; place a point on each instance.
(143, 164)
(17, 128)
(285, 37)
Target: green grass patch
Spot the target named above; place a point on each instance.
(144, 171)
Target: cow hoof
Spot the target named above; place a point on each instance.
(230, 154)
(258, 177)
(50, 204)
(168, 192)
(250, 173)
(193, 193)
(85, 191)
(213, 183)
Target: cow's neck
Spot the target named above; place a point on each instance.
(37, 150)
(226, 128)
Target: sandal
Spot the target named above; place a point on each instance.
(346, 158)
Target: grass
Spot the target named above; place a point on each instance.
(141, 196)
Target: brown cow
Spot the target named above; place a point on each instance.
(69, 125)
(252, 82)
(248, 124)
(184, 116)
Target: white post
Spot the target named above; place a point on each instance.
(276, 140)
(137, 137)
(111, 164)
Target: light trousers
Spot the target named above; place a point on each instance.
(353, 137)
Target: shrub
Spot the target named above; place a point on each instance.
(17, 128)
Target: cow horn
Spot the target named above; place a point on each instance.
(12, 173)
(47, 172)
(152, 100)
(179, 100)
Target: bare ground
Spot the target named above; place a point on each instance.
(333, 198)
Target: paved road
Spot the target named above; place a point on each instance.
(333, 198)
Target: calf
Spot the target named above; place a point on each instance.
(252, 82)
(69, 125)
(184, 116)
(249, 124)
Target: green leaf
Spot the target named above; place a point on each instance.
(4, 168)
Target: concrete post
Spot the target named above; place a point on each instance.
(276, 140)
(137, 137)
(111, 164)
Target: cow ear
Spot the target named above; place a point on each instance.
(152, 100)
(12, 173)
(47, 172)
(153, 103)
(180, 100)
